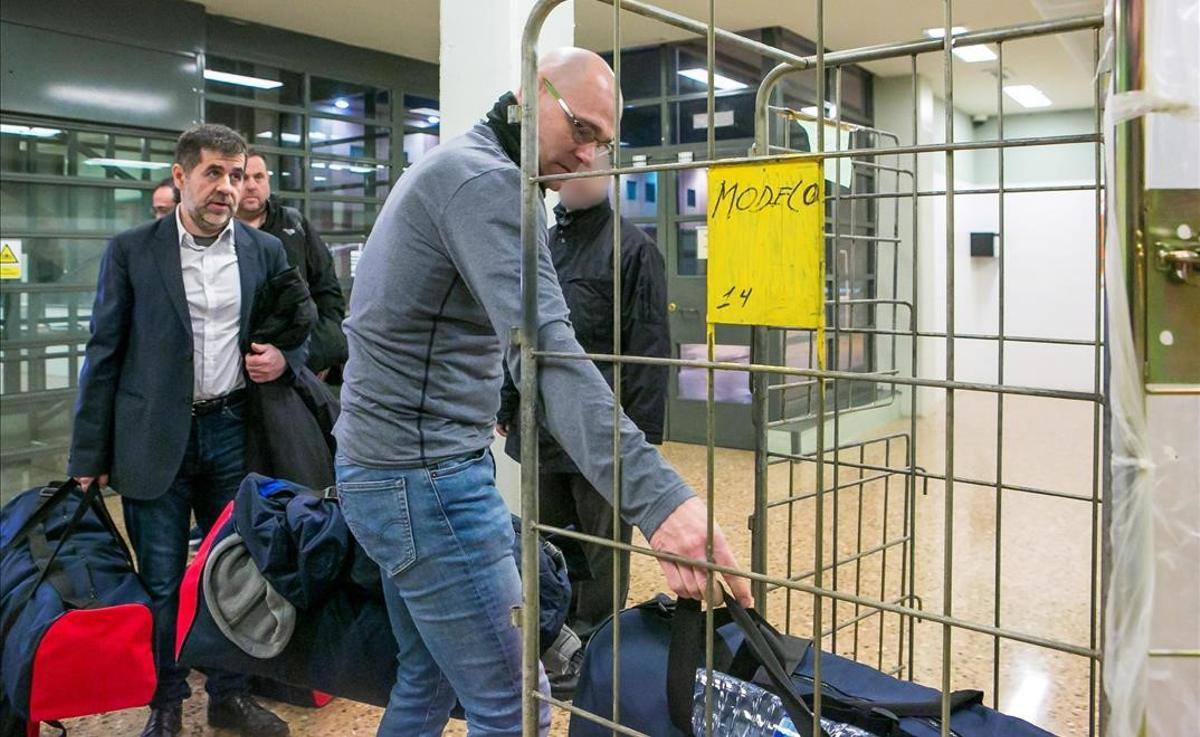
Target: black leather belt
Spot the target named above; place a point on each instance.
(208, 406)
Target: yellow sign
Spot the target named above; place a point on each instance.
(10, 259)
(766, 243)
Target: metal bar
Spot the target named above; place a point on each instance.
(1094, 614)
(977, 336)
(859, 618)
(1028, 391)
(618, 371)
(910, 563)
(948, 506)
(530, 200)
(961, 480)
(998, 580)
(790, 499)
(853, 559)
(710, 399)
(834, 359)
(819, 532)
(1029, 189)
(818, 591)
(927, 148)
(802, 385)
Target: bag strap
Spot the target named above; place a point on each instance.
(40, 514)
(763, 641)
(93, 492)
(687, 648)
(55, 575)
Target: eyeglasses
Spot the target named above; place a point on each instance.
(581, 132)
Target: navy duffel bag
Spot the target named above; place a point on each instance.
(662, 645)
(75, 621)
(280, 589)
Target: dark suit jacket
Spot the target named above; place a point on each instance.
(133, 412)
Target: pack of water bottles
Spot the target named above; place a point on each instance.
(741, 709)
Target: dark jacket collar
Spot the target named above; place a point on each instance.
(274, 213)
(509, 134)
(582, 224)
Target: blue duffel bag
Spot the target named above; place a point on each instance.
(75, 621)
(662, 646)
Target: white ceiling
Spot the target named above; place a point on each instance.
(1059, 66)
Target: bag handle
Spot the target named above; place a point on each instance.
(687, 646)
(89, 496)
(40, 514)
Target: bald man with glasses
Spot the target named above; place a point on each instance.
(437, 294)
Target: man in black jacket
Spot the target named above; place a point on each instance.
(581, 244)
(259, 209)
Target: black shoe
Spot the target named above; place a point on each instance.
(244, 715)
(164, 721)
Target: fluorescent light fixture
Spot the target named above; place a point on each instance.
(434, 119)
(340, 104)
(1027, 95)
(128, 163)
(975, 54)
(318, 164)
(30, 131)
(242, 80)
(110, 98)
(320, 179)
(285, 137)
(426, 111)
(314, 135)
(830, 110)
(720, 81)
(940, 31)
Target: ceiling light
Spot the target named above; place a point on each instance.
(427, 111)
(1027, 95)
(320, 179)
(940, 31)
(128, 163)
(720, 81)
(31, 131)
(975, 54)
(242, 80)
(434, 120)
(340, 104)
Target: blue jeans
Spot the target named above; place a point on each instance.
(212, 469)
(443, 540)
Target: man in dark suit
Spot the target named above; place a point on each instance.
(161, 393)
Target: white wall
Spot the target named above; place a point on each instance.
(1049, 246)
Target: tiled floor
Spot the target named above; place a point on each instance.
(1045, 573)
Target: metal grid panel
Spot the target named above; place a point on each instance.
(907, 606)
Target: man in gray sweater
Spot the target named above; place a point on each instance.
(436, 294)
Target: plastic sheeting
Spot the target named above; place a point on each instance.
(1154, 529)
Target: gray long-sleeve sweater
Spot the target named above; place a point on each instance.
(437, 291)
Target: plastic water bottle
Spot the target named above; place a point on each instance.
(741, 709)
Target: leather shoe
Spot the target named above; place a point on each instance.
(244, 715)
(164, 721)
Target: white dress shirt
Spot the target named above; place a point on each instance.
(213, 286)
